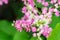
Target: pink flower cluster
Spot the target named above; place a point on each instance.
(3, 1)
(35, 22)
(46, 30)
(56, 3)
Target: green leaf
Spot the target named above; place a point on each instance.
(58, 8)
(4, 36)
(43, 37)
(48, 0)
(55, 35)
(34, 38)
(7, 27)
(21, 36)
(51, 5)
(38, 5)
(55, 20)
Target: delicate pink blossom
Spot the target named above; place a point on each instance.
(51, 9)
(33, 29)
(18, 25)
(57, 13)
(24, 9)
(31, 2)
(44, 10)
(45, 3)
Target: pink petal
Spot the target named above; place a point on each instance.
(1, 2)
(59, 2)
(33, 29)
(57, 14)
(5, 1)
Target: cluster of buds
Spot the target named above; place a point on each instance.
(36, 21)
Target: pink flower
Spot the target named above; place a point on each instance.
(27, 14)
(24, 24)
(24, 9)
(27, 29)
(5, 1)
(57, 13)
(46, 30)
(51, 9)
(33, 29)
(44, 10)
(1, 2)
(50, 15)
(31, 2)
(18, 25)
(35, 11)
(45, 3)
(59, 2)
(53, 1)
